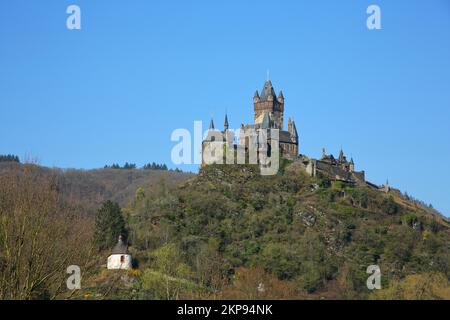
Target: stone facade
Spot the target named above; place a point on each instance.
(339, 169)
(268, 114)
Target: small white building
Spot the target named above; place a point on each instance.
(120, 257)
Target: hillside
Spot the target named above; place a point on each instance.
(226, 233)
(89, 188)
(223, 233)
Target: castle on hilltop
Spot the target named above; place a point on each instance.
(268, 111)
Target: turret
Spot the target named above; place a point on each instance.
(352, 165)
(225, 125)
(281, 97)
(256, 97)
(294, 133)
(386, 186)
(341, 158)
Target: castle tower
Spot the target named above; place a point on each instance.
(352, 165)
(341, 158)
(268, 102)
(292, 129)
(386, 187)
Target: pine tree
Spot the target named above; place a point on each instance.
(109, 225)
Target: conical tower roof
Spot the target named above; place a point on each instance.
(121, 246)
(267, 90)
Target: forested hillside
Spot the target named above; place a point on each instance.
(226, 233)
(88, 189)
(232, 233)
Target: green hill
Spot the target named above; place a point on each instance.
(226, 233)
(309, 236)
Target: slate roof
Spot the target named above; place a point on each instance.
(285, 136)
(267, 91)
(121, 247)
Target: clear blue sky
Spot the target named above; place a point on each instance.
(115, 90)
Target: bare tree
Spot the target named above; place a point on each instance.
(39, 236)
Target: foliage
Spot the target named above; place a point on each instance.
(126, 166)
(40, 236)
(155, 166)
(426, 286)
(389, 206)
(9, 158)
(109, 225)
(234, 226)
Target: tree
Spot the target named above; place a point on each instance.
(9, 158)
(389, 206)
(39, 238)
(424, 286)
(168, 277)
(109, 225)
(255, 283)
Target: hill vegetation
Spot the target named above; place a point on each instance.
(232, 233)
(227, 233)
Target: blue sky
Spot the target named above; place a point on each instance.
(116, 89)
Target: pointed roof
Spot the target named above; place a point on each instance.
(341, 155)
(226, 121)
(256, 94)
(280, 95)
(211, 124)
(121, 246)
(267, 90)
(294, 129)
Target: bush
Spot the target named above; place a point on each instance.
(389, 206)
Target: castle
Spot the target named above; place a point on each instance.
(268, 111)
(339, 169)
(268, 114)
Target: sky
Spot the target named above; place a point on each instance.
(115, 90)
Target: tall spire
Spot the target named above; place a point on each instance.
(225, 125)
(211, 124)
(341, 156)
(294, 130)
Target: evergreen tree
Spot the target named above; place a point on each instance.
(109, 225)
(9, 158)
